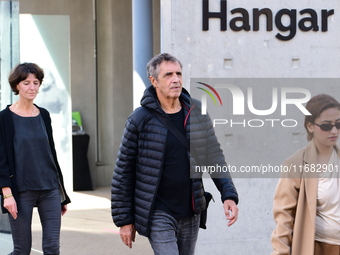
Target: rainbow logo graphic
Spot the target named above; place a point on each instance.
(209, 93)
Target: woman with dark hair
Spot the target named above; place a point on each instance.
(307, 200)
(30, 174)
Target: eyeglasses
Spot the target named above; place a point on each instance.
(328, 127)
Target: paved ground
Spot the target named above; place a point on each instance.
(87, 229)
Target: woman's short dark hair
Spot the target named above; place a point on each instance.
(21, 72)
(316, 105)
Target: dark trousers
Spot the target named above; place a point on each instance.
(326, 249)
(49, 208)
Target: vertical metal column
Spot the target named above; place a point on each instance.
(142, 45)
(9, 57)
(9, 47)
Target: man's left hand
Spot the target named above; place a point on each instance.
(231, 211)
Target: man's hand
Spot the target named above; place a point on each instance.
(231, 211)
(63, 209)
(127, 234)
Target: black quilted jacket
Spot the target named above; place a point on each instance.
(140, 161)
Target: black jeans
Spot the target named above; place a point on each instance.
(49, 208)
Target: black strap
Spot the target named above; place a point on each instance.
(168, 123)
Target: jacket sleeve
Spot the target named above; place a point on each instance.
(284, 209)
(215, 156)
(4, 167)
(48, 125)
(123, 181)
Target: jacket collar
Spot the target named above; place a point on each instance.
(150, 100)
(311, 153)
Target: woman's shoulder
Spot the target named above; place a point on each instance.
(5, 112)
(296, 159)
(43, 111)
(297, 156)
(293, 164)
(41, 108)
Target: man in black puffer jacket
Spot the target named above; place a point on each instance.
(155, 190)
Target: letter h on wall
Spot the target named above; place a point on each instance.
(221, 15)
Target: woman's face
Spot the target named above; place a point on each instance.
(325, 138)
(29, 88)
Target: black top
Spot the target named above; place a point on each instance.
(174, 192)
(34, 164)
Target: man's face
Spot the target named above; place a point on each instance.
(169, 82)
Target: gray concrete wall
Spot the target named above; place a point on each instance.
(156, 26)
(105, 81)
(114, 42)
(82, 46)
(249, 54)
(115, 77)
